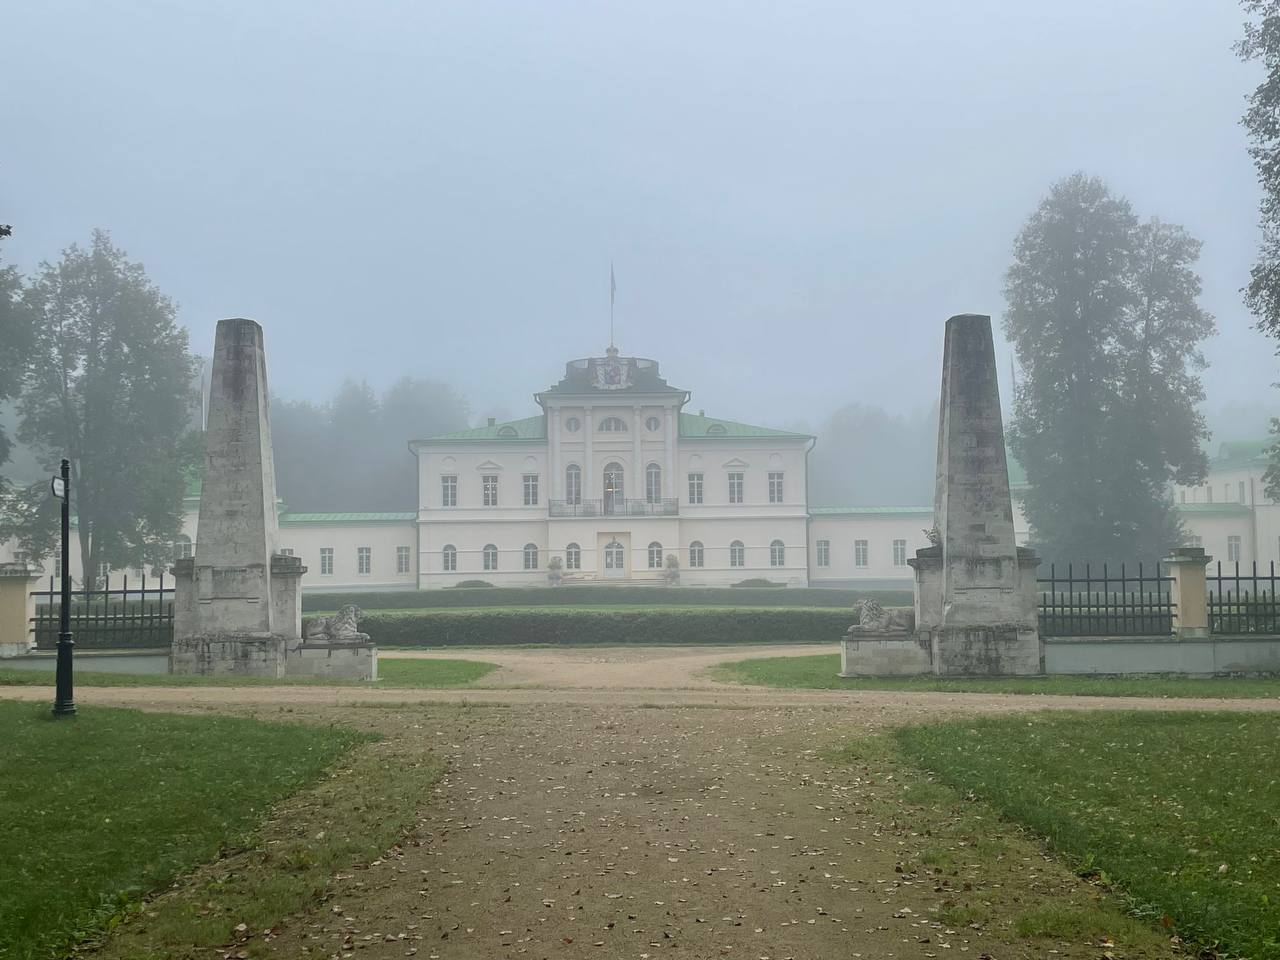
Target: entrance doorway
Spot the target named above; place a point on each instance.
(614, 552)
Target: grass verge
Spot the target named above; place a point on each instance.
(407, 674)
(819, 672)
(1180, 811)
(98, 809)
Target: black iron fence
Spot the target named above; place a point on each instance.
(137, 615)
(1243, 602)
(1089, 603)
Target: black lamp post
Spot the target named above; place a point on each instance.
(64, 702)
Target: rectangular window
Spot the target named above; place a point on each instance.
(859, 553)
(1226, 493)
(1242, 500)
(402, 559)
(735, 488)
(1233, 549)
(1195, 541)
(286, 551)
(364, 559)
(326, 561)
(490, 484)
(449, 490)
(1208, 494)
(824, 553)
(775, 486)
(899, 553)
(1183, 494)
(530, 489)
(695, 488)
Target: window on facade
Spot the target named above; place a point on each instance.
(364, 559)
(777, 554)
(326, 561)
(653, 483)
(573, 424)
(614, 491)
(859, 553)
(1241, 489)
(1183, 495)
(1208, 494)
(104, 573)
(695, 488)
(530, 489)
(652, 424)
(573, 557)
(1233, 549)
(775, 486)
(490, 484)
(573, 483)
(1226, 493)
(899, 553)
(182, 547)
(449, 558)
(716, 430)
(449, 490)
(824, 553)
(737, 554)
(1194, 541)
(655, 556)
(402, 559)
(531, 556)
(695, 553)
(615, 557)
(735, 487)
(286, 551)
(613, 425)
(490, 557)
(507, 432)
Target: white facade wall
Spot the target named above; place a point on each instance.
(306, 540)
(879, 529)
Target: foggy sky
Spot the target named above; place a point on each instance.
(795, 196)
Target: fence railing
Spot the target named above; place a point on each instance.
(1243, 602)
(615, 508)
(1109, 603)
(128, 616)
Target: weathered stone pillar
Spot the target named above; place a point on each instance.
(1189, 592)
(17, 607)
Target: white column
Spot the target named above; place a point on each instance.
(638, 454)
(669, 440)
(588, 466)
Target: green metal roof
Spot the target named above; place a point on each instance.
(530, 428)
(348, 517)
(839, 511)
(1240, 453)
(697, 427)
(1212, 508)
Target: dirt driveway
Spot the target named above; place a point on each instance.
(611, 803)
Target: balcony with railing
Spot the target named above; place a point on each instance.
(615, 507)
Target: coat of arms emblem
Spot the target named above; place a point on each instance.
(613, 374)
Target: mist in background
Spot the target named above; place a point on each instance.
(795, 197)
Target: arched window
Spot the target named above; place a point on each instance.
(449, 558)
(507, 432)
(716, 430)
(613, 425)
(653, 483)
(490, 554)
(573, 484)
(655, 556)
(777, 554)
(737, 554)
(573, 557)
(695, 553)
(614, 491)
(531, 556)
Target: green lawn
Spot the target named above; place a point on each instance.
(1181, 812)
(391, 673)
(100, 808)
(820, 673)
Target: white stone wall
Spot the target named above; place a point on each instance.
(879, 530)
(382, 539)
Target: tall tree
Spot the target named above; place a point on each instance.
(109, 388)
(15, 344)
(1103, 316)
(1261, 43)
(866, 456)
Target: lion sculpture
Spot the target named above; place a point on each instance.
(873, 618)
(343, 626)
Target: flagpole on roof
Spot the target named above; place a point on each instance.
(613, 289)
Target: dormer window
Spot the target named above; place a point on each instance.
(613, 425)
(715, 430)
(507, 431)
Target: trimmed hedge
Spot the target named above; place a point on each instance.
(621, 627)
(578, 595)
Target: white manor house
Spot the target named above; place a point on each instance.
(613, 477)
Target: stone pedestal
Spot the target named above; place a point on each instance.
(17, 607)
(1189, 592)
(869, 654)
(331, 660)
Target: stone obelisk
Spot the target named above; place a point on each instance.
(238, 602)
(975, 588)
